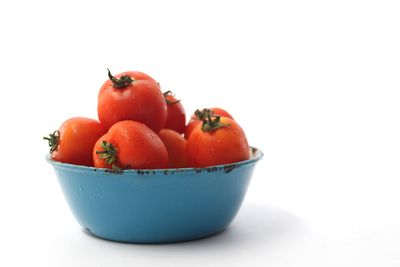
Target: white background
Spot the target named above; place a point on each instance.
(315, 85)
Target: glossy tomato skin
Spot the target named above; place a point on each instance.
(176, 147)
(141, 101)
(194, 120)
(224, 145)
(137, 146)
(77, 137)
(176, 118)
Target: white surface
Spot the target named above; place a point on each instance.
(315, 84)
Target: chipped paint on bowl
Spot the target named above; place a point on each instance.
(155, 206)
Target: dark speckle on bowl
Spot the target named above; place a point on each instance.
(212, 169)
(140, 172)
(114, 171)
(229, 168)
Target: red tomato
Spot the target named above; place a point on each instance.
(130, 145)
(73, 142)
(199, 115)
(176, 147)
(176, 118)
(218, 140)
(132, 96)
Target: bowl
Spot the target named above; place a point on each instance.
(155, 206)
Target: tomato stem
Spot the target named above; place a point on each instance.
(109, 154)
(201, 114)
(120, 83)
(54, 140)
(212, 122)
(169, 102)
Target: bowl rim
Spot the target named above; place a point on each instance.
(255, 155)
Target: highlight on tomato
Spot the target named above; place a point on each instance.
(73, 142)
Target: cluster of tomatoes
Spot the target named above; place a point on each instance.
(140, 127)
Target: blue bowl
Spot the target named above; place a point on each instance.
(155, 206)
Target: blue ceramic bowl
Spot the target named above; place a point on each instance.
(155, 206)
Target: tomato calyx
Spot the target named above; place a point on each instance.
(120, 83)
(212, 123)
(169, 102)
(202, 114)
(109, 154)
(54, 140)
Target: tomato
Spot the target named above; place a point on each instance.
(199, 115)
(218, 140)
(132, 96)
(176, 147)
(176, 118)
(130, 145)
(73, 142)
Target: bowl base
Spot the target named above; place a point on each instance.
(149, 242)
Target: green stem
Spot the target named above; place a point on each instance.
(110, 155)
(120, 83)
(212, 123)
(53, 140)
(169, 102)
(201, 114)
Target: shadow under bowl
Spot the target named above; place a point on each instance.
(155, 206)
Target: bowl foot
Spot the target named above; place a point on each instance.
(149, 242)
